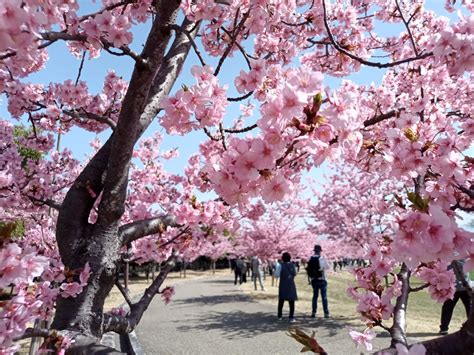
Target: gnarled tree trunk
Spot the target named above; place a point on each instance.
(107, 175)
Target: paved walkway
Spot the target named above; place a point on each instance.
(212, 316)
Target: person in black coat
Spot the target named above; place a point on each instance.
(287, 288)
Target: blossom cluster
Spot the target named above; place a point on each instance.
(441, 280)
(205, 101)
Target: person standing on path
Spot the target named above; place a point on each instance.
(287, 288)
(317, 265)
(238, 270)
(461, 293)
(257, 272)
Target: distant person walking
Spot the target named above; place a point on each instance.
(257, 272)
(236, 271)
(461, 293)
(276, 274)
(316, 266)
(287, 288)
(241, 265)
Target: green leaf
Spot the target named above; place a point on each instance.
(419, 203)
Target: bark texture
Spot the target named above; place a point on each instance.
(107, 175)
(398, 329)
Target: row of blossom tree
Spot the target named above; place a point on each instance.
(79, 219)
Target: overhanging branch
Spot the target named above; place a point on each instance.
(340, 49)
(139, 229)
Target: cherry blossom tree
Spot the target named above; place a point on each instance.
(80, 218)
(274, 230)
(364, 221)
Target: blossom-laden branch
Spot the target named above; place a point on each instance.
(340, 49)
(82, 114)
(407, 26)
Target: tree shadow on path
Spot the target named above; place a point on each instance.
(236, 324)
(240, 324)
(213, 300)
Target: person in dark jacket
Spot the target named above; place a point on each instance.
(287, 288)
(241, 266)
(460, 294)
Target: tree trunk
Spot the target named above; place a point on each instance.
(398, 329)
(107, 175)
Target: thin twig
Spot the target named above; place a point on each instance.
(7, 55)
(242, 130)
(191, 39)
(407, 27)
(233, 39)
(242, 50)
(363, 61)
(107, 8)
(221, 130)
(419, 288)
(124, 292)
(240, 98)
(172, 240)
(79, 72)
(380, 118)
(215, 139)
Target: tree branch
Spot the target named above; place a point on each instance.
(233, 40)
(338, 47)
(92, 116)
(242, 50)
(469, 192)
(50, 203)
(191, 39)
(209, 134)
(397, 331)
(139, 229)
(33, 332)
(240, 98)
(242, 130)
(407, 26)
(107, 8)
(124, 325)
(380, 118)
(419, 288)
(124, 293)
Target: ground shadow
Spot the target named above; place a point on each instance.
(240, 324)
(236, 324)
(422, 334)
(213, 300)
(219, 281)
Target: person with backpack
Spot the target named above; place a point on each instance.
(316, 266)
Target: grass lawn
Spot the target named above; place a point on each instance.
(423, 314)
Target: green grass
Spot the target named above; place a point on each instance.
(423, 313)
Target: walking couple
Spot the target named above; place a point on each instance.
(287, 288)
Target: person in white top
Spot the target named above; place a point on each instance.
(257, 272)
(317, 265)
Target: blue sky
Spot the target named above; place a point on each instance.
(63, 66)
